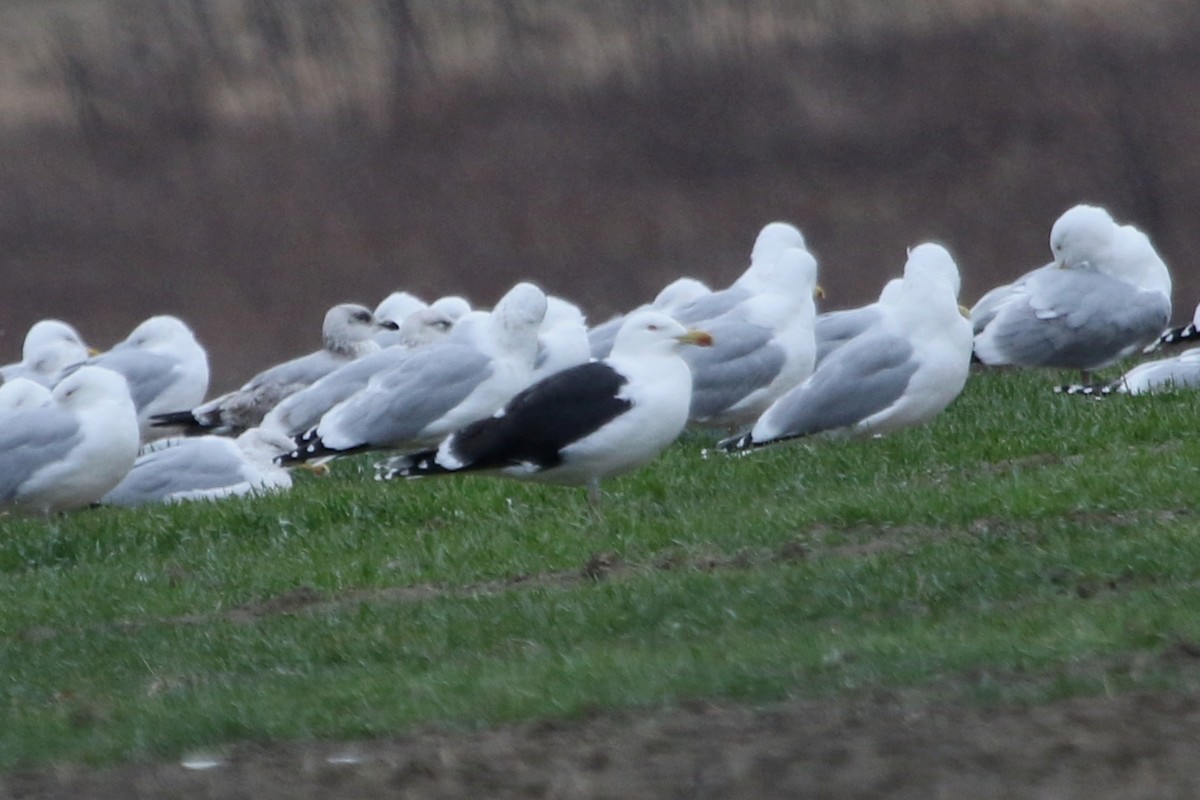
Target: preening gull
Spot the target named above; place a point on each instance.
(164, 365)
(762, 348)
(772, 240)
(301, 411)
(583, 424)
(24, 393)
(346, 335)
(676, 293)
(1161, 375)
(901, 372)
(68, 454)
(486, 360)
(203, 468)
(50, 346)
(1106, 296)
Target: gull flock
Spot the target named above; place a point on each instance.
(528, 391)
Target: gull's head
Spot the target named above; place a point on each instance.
(773, 239)
(932, 262)
(1079, 235)
(89, 386)
(655, 332)
(430, 324)
(23, 393)
(523, 307)
(348, 324)
(398, 306)
(158, 333)
(679, 292)
(48, 331)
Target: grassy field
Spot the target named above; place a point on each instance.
(1024, 547)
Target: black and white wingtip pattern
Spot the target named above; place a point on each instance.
(417, 465)
(1096, 391)
(310, 447)
(743, 441)
(1185, 333)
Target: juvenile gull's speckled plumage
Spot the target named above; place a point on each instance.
(345, 334)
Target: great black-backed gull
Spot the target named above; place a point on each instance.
(900, 372)
(1106, 296)
(68, 454)
(345, 334)
(583, 424)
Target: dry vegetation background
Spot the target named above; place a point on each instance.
(246, 163)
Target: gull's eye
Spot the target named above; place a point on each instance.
(652, 327)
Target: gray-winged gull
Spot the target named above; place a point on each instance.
(165, 366)
(772, 240)
(204, 468)
(1106, 296)
(583, 424)
(50, 346)
(762, 348)
(299, 412)
(345, 334)
(68, 454)
(901, 372)
(438, 390)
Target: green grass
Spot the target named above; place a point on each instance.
(1023, 547)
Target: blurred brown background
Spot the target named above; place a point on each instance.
(247, 163)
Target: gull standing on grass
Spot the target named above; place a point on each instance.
(67, 454)
(164, 366)
(901, 372)
(50, 346)
(345, 334)
(1106, 296)
(762, 347)
(583, 424)
(486, 360)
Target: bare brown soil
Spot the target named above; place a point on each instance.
(884, 746)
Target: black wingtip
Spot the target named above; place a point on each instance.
(179, 419)
(414, 465)
(1185, 333)
(742, 441)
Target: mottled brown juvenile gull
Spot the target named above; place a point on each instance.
(346, 335)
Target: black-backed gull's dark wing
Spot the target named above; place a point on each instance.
(539, 422)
